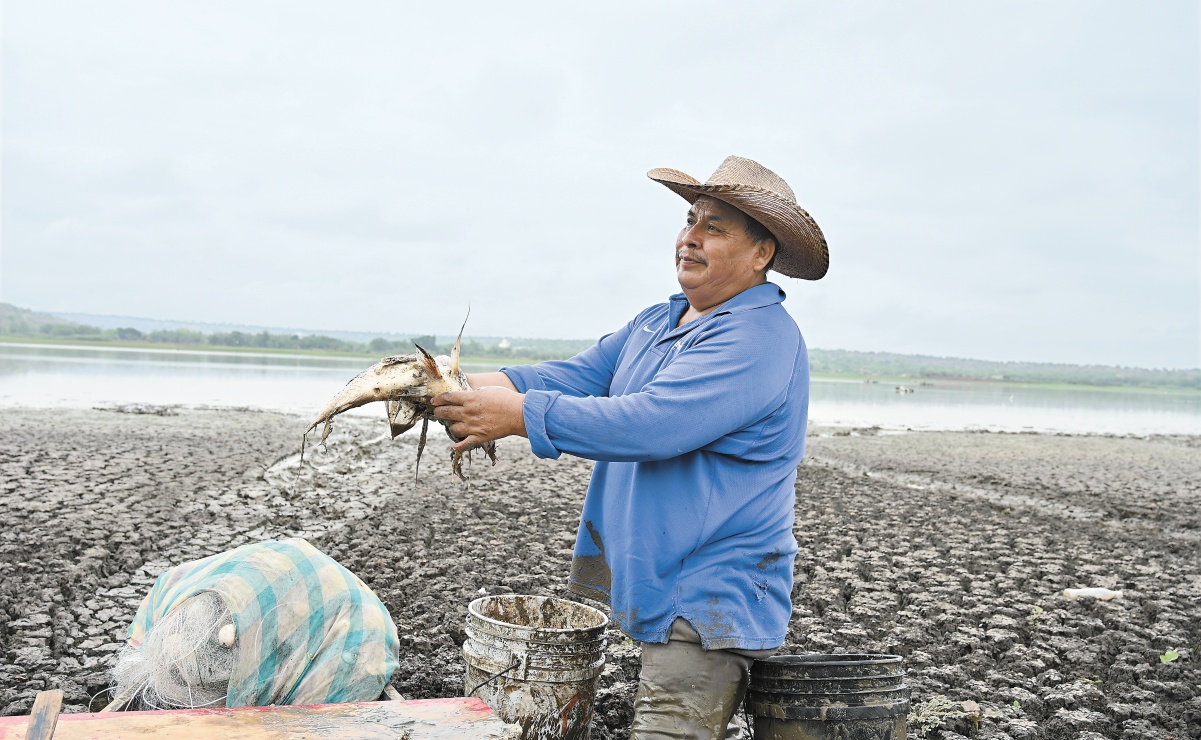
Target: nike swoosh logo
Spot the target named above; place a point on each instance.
(648, 329)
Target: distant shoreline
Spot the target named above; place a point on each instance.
(22, 325)
(219, 349)
(495, 363)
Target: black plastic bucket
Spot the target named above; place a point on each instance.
(829, 697)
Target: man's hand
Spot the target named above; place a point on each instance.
(481, 416)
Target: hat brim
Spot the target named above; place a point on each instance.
(802, 251)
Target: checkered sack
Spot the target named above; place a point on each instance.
(308, 631)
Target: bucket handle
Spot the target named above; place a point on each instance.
(517, 661)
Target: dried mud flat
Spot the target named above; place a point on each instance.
(951, 549)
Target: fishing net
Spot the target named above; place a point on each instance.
(268, 623)
(182, 662)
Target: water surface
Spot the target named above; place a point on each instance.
(57, 375)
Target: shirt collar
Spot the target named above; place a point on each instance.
(759, 296)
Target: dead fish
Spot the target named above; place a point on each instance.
(407, 384)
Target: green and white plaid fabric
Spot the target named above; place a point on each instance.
(308, 630)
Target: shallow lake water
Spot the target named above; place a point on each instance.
(53, 375)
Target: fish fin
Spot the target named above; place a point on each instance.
(456, 465)
(425, 425)
(428, 363)
(399, 429)
(454, 353)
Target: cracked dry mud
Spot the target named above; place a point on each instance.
(950, 549)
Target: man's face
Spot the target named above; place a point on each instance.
(713, 251)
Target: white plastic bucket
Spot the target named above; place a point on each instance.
(536, 661)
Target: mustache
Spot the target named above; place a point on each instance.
(685, 254)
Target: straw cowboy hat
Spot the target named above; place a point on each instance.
(764, 196)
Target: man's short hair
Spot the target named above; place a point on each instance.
(758, 233)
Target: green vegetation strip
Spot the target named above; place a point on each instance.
(306, 353)
(22, 325)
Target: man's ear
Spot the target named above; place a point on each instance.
(767, 252)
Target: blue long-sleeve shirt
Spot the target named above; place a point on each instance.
(697, 432)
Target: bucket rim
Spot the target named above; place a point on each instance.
(832, 659)
(879, 691)
(883, 679)
(474, 612)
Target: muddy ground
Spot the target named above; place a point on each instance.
(951, 549)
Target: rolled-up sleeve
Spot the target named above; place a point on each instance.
(534, 410)
(725, 381)
(524, 377)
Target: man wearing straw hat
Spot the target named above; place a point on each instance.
(695, 412)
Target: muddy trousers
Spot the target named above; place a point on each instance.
(688, 693)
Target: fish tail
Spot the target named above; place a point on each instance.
(454, 353)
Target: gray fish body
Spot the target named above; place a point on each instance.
(407, 384)
(389, 380)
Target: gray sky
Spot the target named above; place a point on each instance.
(1003, 180)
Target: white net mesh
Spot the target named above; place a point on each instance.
(182, 663)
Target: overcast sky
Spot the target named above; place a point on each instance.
(1003, 180)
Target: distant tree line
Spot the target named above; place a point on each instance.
(19, 322)
(260, 340)
(877, 364)
(529, 349)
